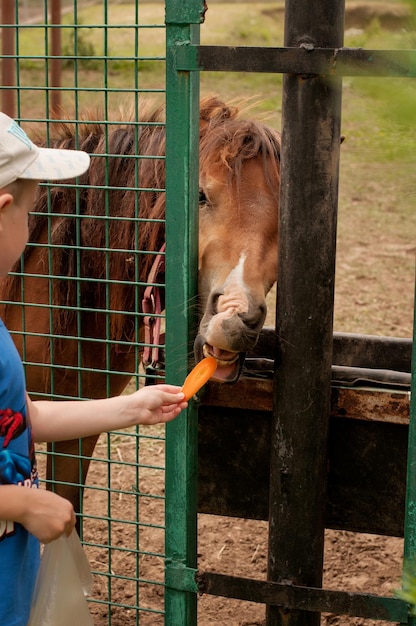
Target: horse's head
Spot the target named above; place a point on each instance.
(239, 201)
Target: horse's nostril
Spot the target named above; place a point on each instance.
(213, 301)
(263, 310)
(254, 319)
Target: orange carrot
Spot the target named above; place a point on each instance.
(201, 373)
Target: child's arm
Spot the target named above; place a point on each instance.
(59, 421)
(43, 513)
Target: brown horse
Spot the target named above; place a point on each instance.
(75, 331)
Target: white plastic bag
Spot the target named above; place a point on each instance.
(63, 582)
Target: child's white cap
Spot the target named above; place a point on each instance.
(21, 158)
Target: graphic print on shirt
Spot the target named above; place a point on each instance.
(12, 425)
(15, 468)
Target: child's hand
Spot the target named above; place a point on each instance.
(46, 515)
(157, 403)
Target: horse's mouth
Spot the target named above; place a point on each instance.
(224, 358)
(229, 363)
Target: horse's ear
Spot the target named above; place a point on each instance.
(214, 111)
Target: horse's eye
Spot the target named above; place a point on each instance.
(202, 197)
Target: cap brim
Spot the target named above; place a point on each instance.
(54, 164)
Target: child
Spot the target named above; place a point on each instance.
(30, 515)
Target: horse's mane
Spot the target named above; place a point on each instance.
(117, 189)
(108, 199)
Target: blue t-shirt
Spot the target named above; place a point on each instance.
(19, 550)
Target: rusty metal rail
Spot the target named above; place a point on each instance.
(304, 60)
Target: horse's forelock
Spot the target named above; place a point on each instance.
(235, 141)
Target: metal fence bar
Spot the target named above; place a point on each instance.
(294, 597)
(306, 59)
(96, 70)
(182, 149)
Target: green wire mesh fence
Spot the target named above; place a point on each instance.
(95, 66)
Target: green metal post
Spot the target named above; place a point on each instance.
(182, 147)
(410, 514)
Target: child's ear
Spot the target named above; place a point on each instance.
(5, 200)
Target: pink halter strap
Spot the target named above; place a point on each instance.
(152, 307)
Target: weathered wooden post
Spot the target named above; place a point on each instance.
(8, 64)
(56, 61)
(307, 241)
